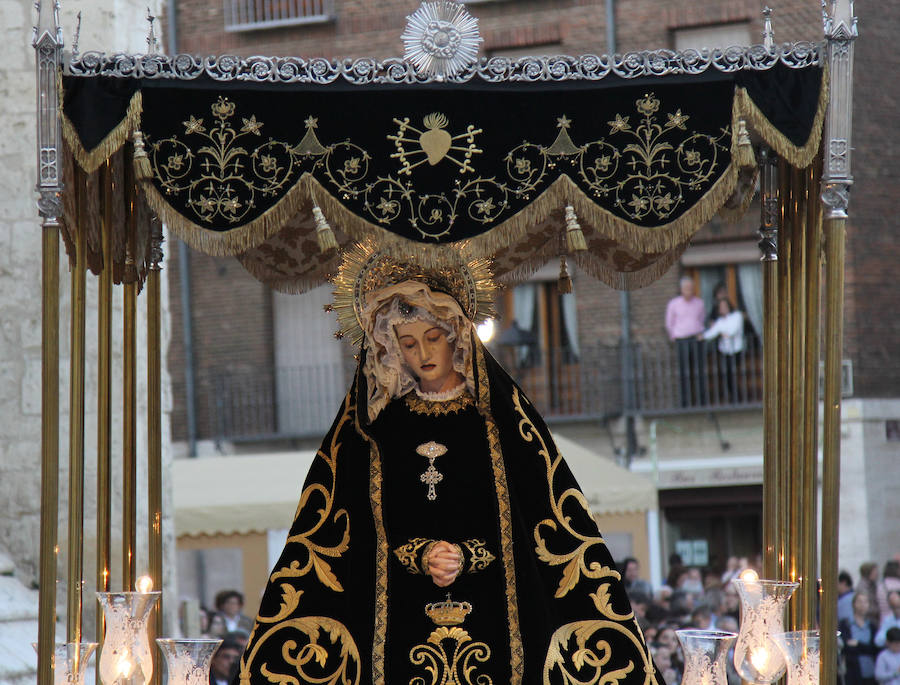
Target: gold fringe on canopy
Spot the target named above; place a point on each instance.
(563, 192)
(798, 157)
(236, 240)
(90, 160)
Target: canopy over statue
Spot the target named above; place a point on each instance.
(522, 161)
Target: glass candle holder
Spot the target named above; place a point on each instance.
(800, 649)
(757, 658)
(126, 657)
(70, 661)
(187, 661)
(705, 655)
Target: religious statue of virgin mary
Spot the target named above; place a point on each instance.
(440, 538)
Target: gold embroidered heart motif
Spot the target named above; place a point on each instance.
(435, 141)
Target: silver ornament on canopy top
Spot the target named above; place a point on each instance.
(441, 39)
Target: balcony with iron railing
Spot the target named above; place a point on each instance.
(596, 384)
(253, 15)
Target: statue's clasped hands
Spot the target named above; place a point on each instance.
(444, 562)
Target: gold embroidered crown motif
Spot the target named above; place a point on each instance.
(448, 612)
(366, 269)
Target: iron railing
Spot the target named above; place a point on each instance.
(302, 401)
(252, 15)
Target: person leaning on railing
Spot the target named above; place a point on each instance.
(729, 329)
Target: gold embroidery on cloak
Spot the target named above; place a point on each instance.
(408, 554)
(347, 668)
(455, 667)
(517, 655)
(596, 653)
(431, 408)
(593, 653)
(574, 560)
(479, 556)
(316, 550)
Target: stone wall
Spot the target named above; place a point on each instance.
(109, 25)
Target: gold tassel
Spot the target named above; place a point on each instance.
(565, 281)
(142, 169)
(744, 157)
(324, 234)
(574, 237)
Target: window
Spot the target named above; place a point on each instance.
(251, 15)
(536, 50)
(547, 319)
(711, 37)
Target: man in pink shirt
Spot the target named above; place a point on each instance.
(685, 316)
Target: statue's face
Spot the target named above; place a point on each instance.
(428, 354)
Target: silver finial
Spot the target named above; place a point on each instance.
(152, 42)
(768, 33)
(77, 35)
(47, 23)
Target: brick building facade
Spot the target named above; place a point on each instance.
(240, 336)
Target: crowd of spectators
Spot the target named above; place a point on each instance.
(228, 623)
(691, 598)
(701, 599)
(869, 623)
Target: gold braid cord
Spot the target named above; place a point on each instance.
(590, 650)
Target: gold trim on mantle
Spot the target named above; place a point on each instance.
(516, 651)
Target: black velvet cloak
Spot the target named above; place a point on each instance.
(345, 604)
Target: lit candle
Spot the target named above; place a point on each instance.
(760, 659)
(144, 584)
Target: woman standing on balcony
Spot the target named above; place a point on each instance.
(729, 329)
(440, 537)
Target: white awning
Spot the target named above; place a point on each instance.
(238, 494)
(609, 488)
(256, 493)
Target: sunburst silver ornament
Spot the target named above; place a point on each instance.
(441, 39)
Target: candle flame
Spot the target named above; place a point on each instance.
(124, 667)
(144, 584)
(749, 576)
(760, 659)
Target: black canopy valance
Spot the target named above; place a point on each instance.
(618, 172)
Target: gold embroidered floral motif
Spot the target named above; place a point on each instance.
(660, 165)
(221, 176)
(329, 648)
(479, 557)
(591, 652)
(408, 554)
(428, 408)
(574, 559)
(316, 550)
(454, 667)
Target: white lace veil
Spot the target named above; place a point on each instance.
(386, 374)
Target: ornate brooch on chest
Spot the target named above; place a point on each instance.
(431, 450)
